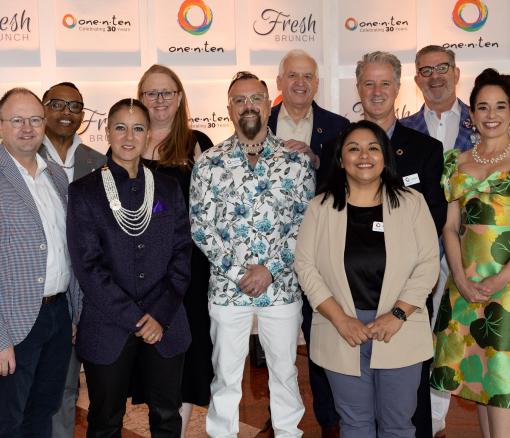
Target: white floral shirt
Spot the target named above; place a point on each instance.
(242, 216)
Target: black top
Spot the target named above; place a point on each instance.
(365, 255)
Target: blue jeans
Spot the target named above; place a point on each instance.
(30, 395)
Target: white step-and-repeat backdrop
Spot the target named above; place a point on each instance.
(104, 46)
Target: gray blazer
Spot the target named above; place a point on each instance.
(86, 160)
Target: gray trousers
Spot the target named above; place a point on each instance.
(64, 418)
(380, 398)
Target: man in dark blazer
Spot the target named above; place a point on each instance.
(39, 294)
(419, 160)
(304, 126)
(446, 118)
(63, 147)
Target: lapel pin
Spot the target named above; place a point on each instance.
(468, 123)
(89, 160)
(50, 171)
(319, 130)
(275, 158)
(400, 152)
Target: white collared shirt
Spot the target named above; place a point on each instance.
(51, 212)
(55, 157)
(286, 129)
(445, 129)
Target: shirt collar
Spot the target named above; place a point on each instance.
(271, 143)
(284, 114)
(389, 132)
(456, 109)
(41, 165)
(70, 152)
(118, 170)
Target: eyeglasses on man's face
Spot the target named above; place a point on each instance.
(440, 68)
(59, 105)
(256, 99)
(154, 95)
(19, 122)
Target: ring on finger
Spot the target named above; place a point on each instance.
(153, 335)
(255, 290)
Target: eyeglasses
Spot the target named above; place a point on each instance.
(154, 95)
(59, 105)
(256, 99)
(440, 68)
(19, 122)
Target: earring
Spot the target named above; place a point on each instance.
(475, 136)
(508, 131)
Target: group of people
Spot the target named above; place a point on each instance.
(155, 259)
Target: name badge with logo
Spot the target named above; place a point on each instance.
(233, 162)
(411, 179)
(378, 226)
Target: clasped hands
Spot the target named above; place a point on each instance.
(474, 292)
(151, 330)
(383, 328)
(255, 281)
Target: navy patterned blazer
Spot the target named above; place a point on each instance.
(22, 257)
(124, 277)
(463, 142)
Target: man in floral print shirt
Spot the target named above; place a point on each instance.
(248, 198)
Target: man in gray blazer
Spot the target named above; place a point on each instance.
(39, 294)
(63, 147)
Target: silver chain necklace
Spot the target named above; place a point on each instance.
(130, 220)
(53, 159)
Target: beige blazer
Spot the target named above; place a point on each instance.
(412, 269)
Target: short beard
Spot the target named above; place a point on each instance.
(249, 129)
(439, 99)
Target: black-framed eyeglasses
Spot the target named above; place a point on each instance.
(154, 95)
(19, 122)
(59, 105)
(440, 68)
(256, 99)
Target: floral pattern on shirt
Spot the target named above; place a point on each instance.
(242, 216)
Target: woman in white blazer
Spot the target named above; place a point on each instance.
(367, 257)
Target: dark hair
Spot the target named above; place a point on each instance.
(243, 75)
(336, 184)
(126, 103)
(489, 76)
(62, 84)
(19, 90)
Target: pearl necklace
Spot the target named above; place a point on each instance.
(492, 160)
(134, 220)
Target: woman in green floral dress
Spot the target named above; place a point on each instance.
(472, 331)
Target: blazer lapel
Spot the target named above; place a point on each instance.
(391, 221)
(337, 223)
(400, 145)
(81, 166)
(62, 195)
(13, 175)
(463, 142)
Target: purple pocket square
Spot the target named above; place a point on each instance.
(159, 207)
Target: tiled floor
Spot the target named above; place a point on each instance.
(462, 421)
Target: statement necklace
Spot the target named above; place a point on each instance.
(130, 220)
(53, 159)
(492, 160)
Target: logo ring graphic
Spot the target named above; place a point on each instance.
(183, 17)
(483, 13)
(351, 24)
(64, 21)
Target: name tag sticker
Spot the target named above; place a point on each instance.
(378, 226)
(411, 179)
(233, 162)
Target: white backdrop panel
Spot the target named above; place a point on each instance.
(277, 26)
(369, 25)
(481, 32)
(19, 34)
(350, 105)
(212, 43)
(97, 33)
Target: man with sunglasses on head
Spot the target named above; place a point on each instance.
(446, 118)
(63, 147)
(248, 197)
(39, 294)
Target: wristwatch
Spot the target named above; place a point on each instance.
(399, 313)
